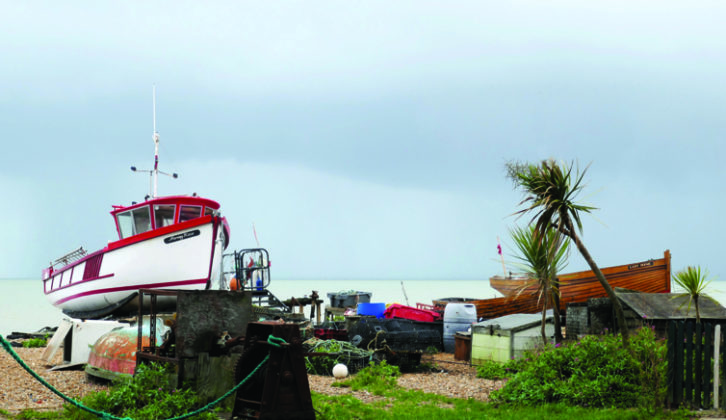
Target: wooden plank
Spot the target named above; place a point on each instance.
(678, 383)
(722, 374)
(689, 361)
(698, 364)
(670, 356)
(707, 357)
(716, 367)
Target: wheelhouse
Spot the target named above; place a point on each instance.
(160, 212)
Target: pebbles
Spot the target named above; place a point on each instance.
(19, 390)
(455, 379)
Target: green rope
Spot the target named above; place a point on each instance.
(272, 340)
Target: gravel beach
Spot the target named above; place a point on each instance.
(19, 390)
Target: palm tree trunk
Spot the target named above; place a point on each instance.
(556, 312)
(545, 295)
(619, 314)
(698, 313)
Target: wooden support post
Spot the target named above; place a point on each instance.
(716, 352)
(317, 312)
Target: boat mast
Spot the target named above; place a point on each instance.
(155, 137)
(154, 173)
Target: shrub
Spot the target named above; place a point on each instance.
(147, 395)
(36, 342)
(491, 370)
(376, 378)
(596, 372)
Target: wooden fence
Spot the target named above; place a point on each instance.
(695, 357)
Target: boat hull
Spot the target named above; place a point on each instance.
(187, 257)
(653, 276)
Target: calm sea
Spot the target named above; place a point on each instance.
(24, 308)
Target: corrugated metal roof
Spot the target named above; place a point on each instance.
(671, 306)
(514, 322)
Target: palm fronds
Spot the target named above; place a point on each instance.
(694, 282)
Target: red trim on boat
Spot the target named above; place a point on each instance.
(52, 290)
(133, 287)
(174, 199)
(158, 232)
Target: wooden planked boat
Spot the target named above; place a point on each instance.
(652, 276)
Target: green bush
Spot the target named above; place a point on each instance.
(36, 342)
(490, 369)
(376, 378)
(147, 396)
(594, 372)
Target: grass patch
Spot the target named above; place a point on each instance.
(408, 404)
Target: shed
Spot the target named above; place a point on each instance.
(502, 339)
(654, 309)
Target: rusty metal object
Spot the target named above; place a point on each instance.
(280, 389)
(114, 353)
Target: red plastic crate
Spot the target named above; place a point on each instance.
(408, 312)
(331, 334)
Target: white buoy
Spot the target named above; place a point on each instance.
(340, 371)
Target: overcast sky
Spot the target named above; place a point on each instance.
(365, 139)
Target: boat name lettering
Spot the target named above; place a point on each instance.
(181, 236)
(639, 265)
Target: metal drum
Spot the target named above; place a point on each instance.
(457, 317)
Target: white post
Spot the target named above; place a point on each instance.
(155, 138)
(716, 348)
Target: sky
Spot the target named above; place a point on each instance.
(366, 139)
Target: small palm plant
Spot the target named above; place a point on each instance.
(694, 282)
(542, 258)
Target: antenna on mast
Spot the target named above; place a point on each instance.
(154, 173)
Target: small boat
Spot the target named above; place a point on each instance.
(647, 276)
(173, 242)
(652, 276)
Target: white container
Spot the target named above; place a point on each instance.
(457, 317)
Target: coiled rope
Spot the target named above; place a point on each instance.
(272, 340)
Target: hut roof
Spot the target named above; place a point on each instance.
(514, 322)
(671, 306)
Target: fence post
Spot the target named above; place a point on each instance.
(678, 366)
(688, 343)
(716, 352)
(707, 353)
(698, 353)
(671, 357)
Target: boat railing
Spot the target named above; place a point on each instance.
(70, 257)
(252, 269)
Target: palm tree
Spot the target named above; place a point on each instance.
(542, 260)
(693, 283)
(551, 190)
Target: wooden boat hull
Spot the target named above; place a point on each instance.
(653, 276)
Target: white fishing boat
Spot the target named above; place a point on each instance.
(173, 242)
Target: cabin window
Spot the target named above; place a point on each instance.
(209, 211)
(133, 222)
(189, 213)
(164, 215)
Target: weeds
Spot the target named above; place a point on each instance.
(147, 396)
(36, 342)
(594, 372)
(376, 378)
